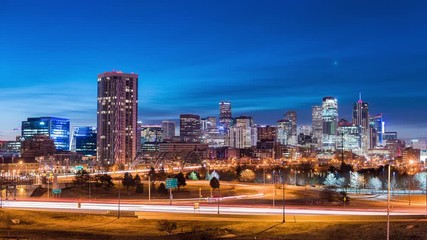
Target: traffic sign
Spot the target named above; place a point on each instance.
(56, 191)
(171, 183)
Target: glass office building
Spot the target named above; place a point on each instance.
(84, 141)
(57, 129)
(330, 122)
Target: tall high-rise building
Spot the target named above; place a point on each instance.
(266, 133)
(284, 132)
(349, 137)
(57, 129)
(168, 128)
(117, 117)
(292, 117)
(84, 141)
(211, 123)
(189, 128)
(317, 125)
(330, 123)
(361, 113)
(243, 134)
(225, 113)
(376, 131)
(361, 118)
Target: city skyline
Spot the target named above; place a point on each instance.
(265, 59)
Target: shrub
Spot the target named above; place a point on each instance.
(247, 175)
(166, 226)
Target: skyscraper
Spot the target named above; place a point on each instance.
(361, 113)
(349, 137)
(225, 113)
(117, 117)
(330, 122)
(284, 132)
(189, 127)
(361, 118)
(168, 128)
(211, 123)
(266, 133)
(243, 134)
(292, 117)
(57, 129)
(376, 131)
(317, 125)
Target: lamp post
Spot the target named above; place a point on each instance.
(410, 178)
(283, 198)
(118, 199)
(149, 189)
(388, 203)
(426, 191)
(274, 189)
(263, 172)
(409, 190)
(219, 197)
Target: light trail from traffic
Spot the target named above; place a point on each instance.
(190, 209)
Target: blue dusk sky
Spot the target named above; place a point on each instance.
(266, 57)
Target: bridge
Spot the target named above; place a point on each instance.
(9, 184)
(161, 159)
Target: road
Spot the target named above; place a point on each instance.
(205, 209)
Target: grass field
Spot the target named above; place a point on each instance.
(48, 225)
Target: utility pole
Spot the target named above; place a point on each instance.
(295, 176)
(274, 190)
(89, 189)
(388, 203)
(283, 199)
(149, 189)
(47, 188)
(118, 204)
(409, 190)
(219, 197)
(263, 170)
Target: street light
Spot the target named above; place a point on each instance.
(388, 203)
(274, 189)
(409, 177)
(283, 197)
(118, 199)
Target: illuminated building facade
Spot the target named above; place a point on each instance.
(117, 117)
(189, 128)
(292, 117)
(225, 118)
(349, 137)
(376, 131)
(243, 134)
(168, 130)
(284, 132)
(84, 141)
(361, 118)
(330, 122)
(151, 137)
(317, 125)
(389, 136)
(266, 133)
(58, 129)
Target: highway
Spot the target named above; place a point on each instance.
(204, 209)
